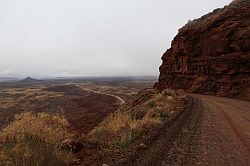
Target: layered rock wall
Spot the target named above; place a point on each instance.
(211, 55)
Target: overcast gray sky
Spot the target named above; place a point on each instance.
(91, 37)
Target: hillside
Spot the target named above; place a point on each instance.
(123, 121)
(211, 55)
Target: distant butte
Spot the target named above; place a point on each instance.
(29, 79)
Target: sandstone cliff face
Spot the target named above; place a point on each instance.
(211, 55)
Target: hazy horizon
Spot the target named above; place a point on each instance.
(21, 77)
(61, 38)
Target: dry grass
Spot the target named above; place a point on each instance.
(122, 128)
(14, 97)
(35, 139)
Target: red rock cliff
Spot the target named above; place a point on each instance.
(211, 55)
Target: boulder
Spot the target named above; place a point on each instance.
(72, 145)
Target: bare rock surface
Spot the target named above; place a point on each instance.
(211, 55)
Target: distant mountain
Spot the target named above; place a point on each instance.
(29, 79)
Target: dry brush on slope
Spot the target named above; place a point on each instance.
(128, 124)
(35, 139)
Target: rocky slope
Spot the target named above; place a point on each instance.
(211, 55)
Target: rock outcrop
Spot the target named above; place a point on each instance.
(211, 55)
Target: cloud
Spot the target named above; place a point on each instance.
(91, 37)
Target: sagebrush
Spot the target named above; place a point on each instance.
(35, 139)
(123, 127)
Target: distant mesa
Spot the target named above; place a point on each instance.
(29, 79)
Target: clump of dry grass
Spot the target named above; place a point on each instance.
(120, 129)
(123, 127)
(35, 139)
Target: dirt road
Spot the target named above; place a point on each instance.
(111, 95)
(212, 131)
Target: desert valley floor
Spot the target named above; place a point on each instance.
(83, 102)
